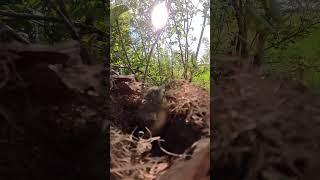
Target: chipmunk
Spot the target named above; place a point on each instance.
(153, 109)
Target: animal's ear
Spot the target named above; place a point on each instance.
(162, 87)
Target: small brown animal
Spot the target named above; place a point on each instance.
(153, 109)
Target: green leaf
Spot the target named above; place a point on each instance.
(116, 12)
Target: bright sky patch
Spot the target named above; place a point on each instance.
(159, 15)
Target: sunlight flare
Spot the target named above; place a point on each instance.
(159, 15)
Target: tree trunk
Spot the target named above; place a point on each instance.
(259, 54)
(159, 64)
(181, 51)
(149, 56)
(194, 65)
(238, 45)
(171, 59)
(242, 30)
(243, 35)
(128, 63)
(201, 35)
(186, 39)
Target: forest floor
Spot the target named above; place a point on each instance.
(264, 127)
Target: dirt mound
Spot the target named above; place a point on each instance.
(264, 127)
(189, 116)
(188, 122)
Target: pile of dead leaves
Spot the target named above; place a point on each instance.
(128, 159)
(193, 101)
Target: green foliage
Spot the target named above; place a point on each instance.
(116, 12)
(138, 36)
(299, 60)
(203, 78)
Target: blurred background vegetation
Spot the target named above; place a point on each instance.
(281, 36)
(50, 21)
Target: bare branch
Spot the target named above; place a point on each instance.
(289, 37)
(202, 30)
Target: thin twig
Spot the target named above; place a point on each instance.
(170, 153)
(287, 38)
